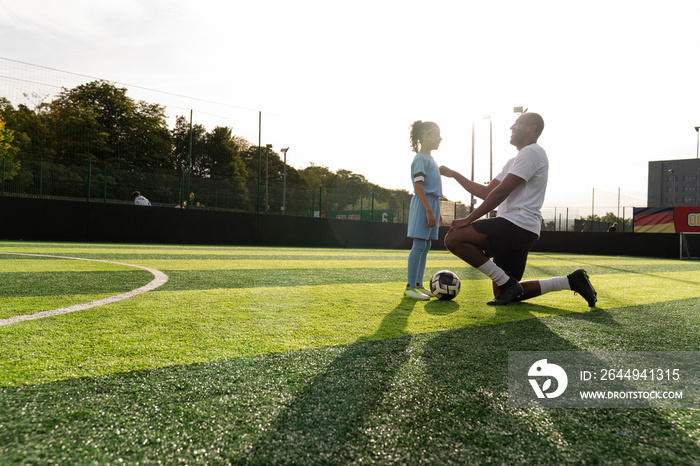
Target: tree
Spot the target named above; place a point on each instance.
(8, 152)
(222, 161)
(317, 176)
(214, 156)
(32, 134)
(147, 143)
(180, 157)
(297, 193)
(622, 224)
(610, 218)
(345, 190)
(99, 121)
(223, 154)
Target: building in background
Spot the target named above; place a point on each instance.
(674, 183)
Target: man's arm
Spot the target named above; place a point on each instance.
(497, 195)
(479, 190)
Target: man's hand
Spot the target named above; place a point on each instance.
(448, 172)
(460, 223)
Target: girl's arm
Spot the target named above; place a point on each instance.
(420, 192)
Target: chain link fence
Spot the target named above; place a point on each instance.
(90, 181)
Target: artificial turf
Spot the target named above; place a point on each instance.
(311, 356)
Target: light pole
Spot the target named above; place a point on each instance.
(189, 161)
(284, 182)
(257, 185)
(488, 117)
(672, 174)
(697, 130)
(473, 200)
(267, 177)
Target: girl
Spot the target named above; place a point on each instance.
(424, 213)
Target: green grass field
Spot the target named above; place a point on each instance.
(251, 355)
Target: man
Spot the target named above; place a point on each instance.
(139, 199)
(518, 193)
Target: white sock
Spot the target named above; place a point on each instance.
(554, 284)
(494, 272)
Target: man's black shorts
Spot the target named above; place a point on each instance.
(507, 243)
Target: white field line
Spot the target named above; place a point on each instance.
(159, 279)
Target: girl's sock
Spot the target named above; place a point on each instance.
(419, 251)
(421, 264)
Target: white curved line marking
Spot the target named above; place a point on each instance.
(159, 279)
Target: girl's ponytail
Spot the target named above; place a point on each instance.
(416, 134)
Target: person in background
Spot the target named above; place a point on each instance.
(140, 199)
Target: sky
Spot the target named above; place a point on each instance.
(340, 82)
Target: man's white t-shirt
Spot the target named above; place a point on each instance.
(523, 205)
(141, 200)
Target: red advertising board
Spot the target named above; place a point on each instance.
(687, 219)
(667, 219)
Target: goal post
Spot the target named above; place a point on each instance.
(689, 245)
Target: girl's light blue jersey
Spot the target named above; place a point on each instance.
(426, 170)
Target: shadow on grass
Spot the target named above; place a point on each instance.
(323, 424)
(597, 316)
(436, 398)
(394, 324)
(441, 308)
(443, 398)
(474, 364)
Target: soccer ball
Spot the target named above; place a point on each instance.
(445, 285)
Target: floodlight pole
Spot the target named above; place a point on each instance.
(267, 176)
(488, 117)
(473, 200)
(697, 130)
(189, 160)
(257, 185)
(284, 182)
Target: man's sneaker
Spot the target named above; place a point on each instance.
(578, 279)
(415, 294)
(425, 291)
(507, 293)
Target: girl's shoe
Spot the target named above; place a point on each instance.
(415, 294)
(425, 291)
